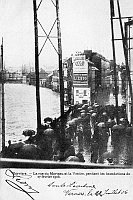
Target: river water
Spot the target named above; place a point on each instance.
(20, 114)
(20, 108)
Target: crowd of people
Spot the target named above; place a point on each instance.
(93, 124)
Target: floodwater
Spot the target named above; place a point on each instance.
(20, 108)
(20, 114)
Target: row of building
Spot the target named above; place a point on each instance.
(84, 74)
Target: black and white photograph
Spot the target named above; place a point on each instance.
(66, 99)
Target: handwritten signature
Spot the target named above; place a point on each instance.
(75, 189)
(18, 182)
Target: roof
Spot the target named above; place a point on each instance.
(50, 74)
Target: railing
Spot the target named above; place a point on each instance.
(39, 164)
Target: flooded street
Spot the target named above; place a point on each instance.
(20, 114)
(20, 108)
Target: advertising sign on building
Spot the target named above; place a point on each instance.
(80, 79)
(81, 95)
(80, 65)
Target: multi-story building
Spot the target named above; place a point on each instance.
(86, 73)
(31, 78)
(83, 74)
(55, 81)
(42, 77)
(48, 83)
(13, 76)
(65, 78)
(81, 88)
(101, 76)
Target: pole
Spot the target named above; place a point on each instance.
(62, 130)
(37, 66)
(125, 48)
(60, 60)
(114, 58)
(129, 44)
(126, 81)
(3, 102)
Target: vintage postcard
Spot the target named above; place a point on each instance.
(66, 99)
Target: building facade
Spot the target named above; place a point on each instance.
(84, 74)
(55, 81)
(81, 88)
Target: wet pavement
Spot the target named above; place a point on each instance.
(121, 152)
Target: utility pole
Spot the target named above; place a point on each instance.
(37, 54)
(128, 48)
(59, 53)
(60, 60)
(3, 102)
(125, 49)
(37, 67)
(62, 131)
(114, 58)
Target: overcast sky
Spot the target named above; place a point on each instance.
(85, 24)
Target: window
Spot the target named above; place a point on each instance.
(77, 92)
(85, 93)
